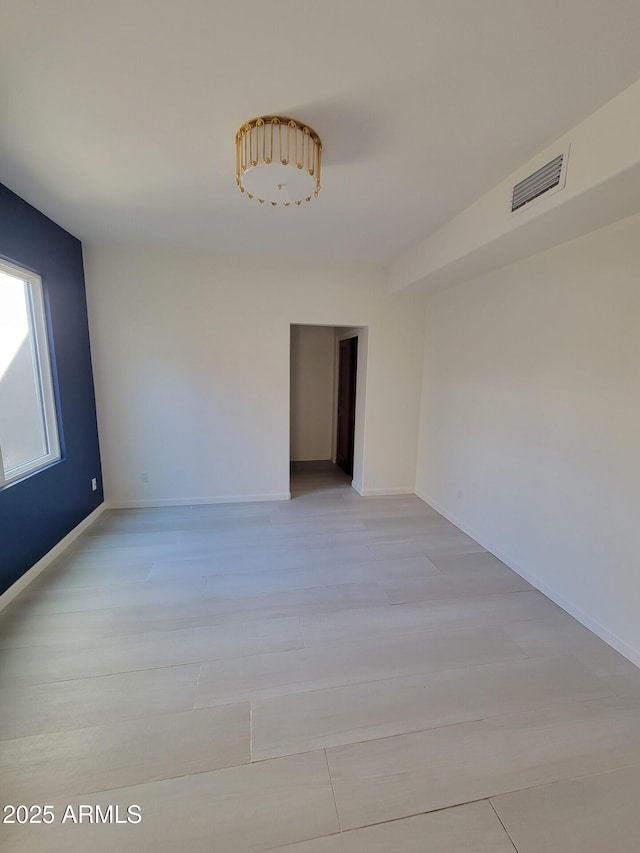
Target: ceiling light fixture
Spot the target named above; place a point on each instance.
(278, 160)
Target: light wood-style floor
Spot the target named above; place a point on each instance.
(333, 674)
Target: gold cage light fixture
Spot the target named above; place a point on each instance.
(278, 160)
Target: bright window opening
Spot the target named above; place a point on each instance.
(28, 426)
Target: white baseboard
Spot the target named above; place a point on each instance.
(372, 493)
(228, 499)
(31, 574)
(629, 652)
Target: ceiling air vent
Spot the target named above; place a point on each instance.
(549, 178)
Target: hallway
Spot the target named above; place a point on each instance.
(316, 478)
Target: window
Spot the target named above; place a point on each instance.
(28, 428)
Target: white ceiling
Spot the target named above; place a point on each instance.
(118, 117)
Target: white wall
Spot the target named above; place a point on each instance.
(191, 361)
(312, 369)
(602, 186)
(530, 424)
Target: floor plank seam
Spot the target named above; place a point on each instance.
(333, 792)
(195, 692)
(251, 733)
(508, 834)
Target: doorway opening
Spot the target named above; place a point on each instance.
(326, 417)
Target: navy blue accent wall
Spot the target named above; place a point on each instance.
(37, 512)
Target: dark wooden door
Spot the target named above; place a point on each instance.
(347, 367)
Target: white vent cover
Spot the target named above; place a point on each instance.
(548, 178)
